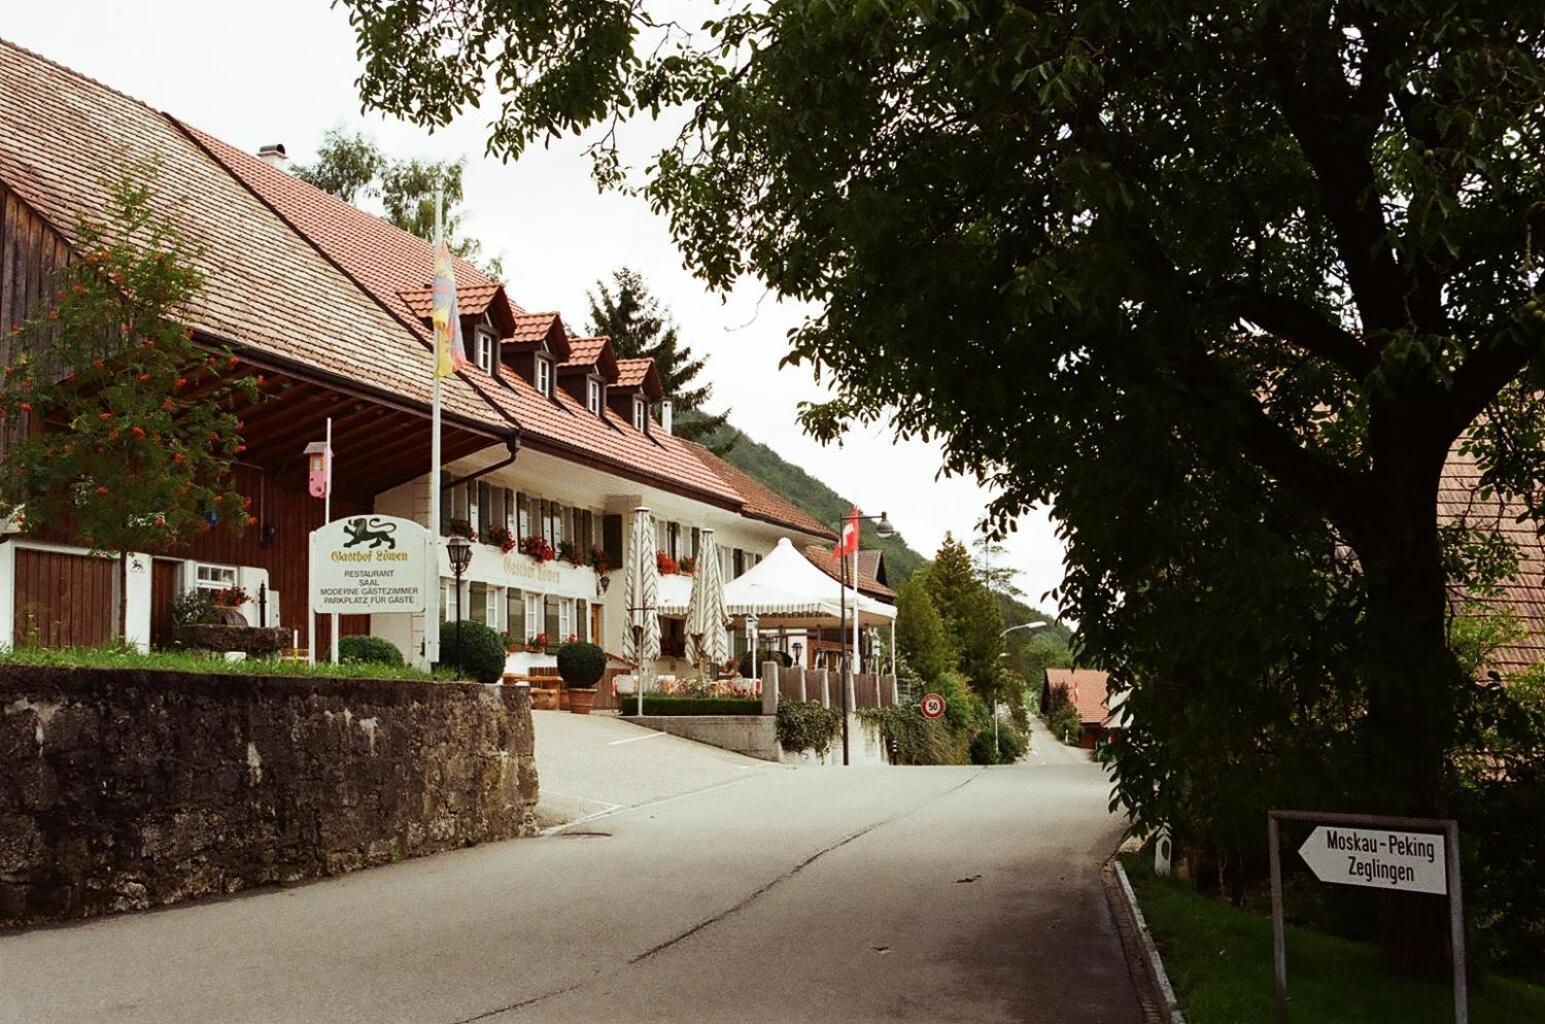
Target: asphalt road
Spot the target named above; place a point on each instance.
(772, 894)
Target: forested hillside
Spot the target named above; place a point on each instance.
(811, 495)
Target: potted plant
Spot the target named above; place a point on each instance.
(687, 565)
(665, 564)
(463, 528)
(581, 666)
(537, 644)
(598, 561)
(502, 536)
(568, 552)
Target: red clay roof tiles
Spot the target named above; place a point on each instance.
(1086, 690)
(761, 501)
(64, 138)
(820, 556)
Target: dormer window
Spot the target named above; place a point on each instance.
(484, 347)
(595, 395)
(544, 375)
(640, 416)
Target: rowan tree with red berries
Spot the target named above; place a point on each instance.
(119, 428)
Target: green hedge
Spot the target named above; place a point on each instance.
(483, 657)
(373, 650)
(662, 705)
(807, 725)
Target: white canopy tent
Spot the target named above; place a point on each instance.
(785, 589)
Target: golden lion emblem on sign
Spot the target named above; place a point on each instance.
(370, 529)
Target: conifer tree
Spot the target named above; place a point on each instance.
(640, 326)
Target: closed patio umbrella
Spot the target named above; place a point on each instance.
(708, 639)
(641, 640)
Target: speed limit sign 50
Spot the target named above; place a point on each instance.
(932, 706)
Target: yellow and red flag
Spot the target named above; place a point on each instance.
(450, 354)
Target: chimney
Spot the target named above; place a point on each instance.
(665, 415)
(274, 155)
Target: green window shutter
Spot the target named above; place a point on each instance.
(611, 540)
(550, 614)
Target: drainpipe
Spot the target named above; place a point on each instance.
(512, 443)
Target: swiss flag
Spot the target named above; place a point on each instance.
(847, 544)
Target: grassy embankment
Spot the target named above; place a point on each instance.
(1219, 960)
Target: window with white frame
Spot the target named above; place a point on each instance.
(485, 346)
(595, 395)
(544, 376)
(215, 577)
(565, 620)
(533, 614)
(640, 416)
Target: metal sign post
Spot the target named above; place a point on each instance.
(1376, 852)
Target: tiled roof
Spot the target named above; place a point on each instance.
(821, 557)
(62, 136)
(871, 563)
(532, 327)
(471, 299)
(1086, 691)
(381, 258)
(585, 351)
(761, 501)
(1459, 500)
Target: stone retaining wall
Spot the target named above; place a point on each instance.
(752, 735)
(125, 789)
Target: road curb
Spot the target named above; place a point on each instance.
(1150, 951)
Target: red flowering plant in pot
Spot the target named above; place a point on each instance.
(598, 561)
(569, 553)
(537, 644)
(687, 565)
(538, 548)
(666, 564)
(501, 536)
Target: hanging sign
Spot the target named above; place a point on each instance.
(1401, 861)
(365, 564)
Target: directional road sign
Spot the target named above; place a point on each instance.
(1376, 858)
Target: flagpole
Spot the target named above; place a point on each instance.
(327, 517)
(432, 605)
(858, 664)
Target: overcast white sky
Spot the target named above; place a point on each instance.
(284, 70)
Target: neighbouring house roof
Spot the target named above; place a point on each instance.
(761, 501)
(1086, 691)
(821, 557)
(65, 140)
(1460, 500)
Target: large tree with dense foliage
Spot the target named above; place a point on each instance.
(1194, 274)
(920, 634)
(353, 168)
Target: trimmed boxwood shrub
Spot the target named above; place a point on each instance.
(482, 656)
(750, 671)
(658, 704)
(372, 650)
(581, 665)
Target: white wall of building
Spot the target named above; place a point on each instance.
(495, 572)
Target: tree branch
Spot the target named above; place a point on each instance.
(1301, 325)
(1335, 133)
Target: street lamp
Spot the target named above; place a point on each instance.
(798, 650)
(883, 529)
(460, 550)
(1004, 654)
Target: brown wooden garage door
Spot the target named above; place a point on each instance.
(63, 600)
